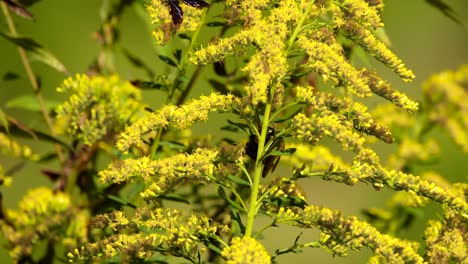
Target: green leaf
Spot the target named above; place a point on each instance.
(30, 102)
(216, 24)
(172, 145)
(38, 52)
(230, 128)
(286, 152)
(19, 9)
(219, 86)
(10, 76)
(35, 134)
(138, 63)
(448, 11)
(238, 180)
(242, 126)
(177, 54)
(174, 198)
(4, 121)
(119, 200)
(167, 60)
(287, 117)
(147, 85)
(184, 36)
(233, 203)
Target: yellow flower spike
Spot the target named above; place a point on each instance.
(332, 64)
(311, 129)
(445, 94)
(345, 107)
(245, 250)
(96, 107)
(376, 48)
(340, 233)
(179, 117)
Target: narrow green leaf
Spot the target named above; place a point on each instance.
(177, 54)
(219, 86)
(37, 51)
(216, 24)
(286, 152)
(19, 9)
(174, 198)
(242, 126)
(172, 145)
(10, 76)
(230, 128)
(147, 85)
(238, 180)
(138, 63)
(30, 102)
(167, 60)
(184, 36)
(35, 134)
(4, 121)
(287, 117)
(119, 200)
(234, 204)
(445, 9)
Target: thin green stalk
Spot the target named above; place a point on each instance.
(31, 76)
(258, 171)
(254, 201)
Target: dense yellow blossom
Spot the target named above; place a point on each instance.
(245, 250)
(165, 173)
(149, 231)
(42, 215)
(11, 147)
(446, 94)
(159, 12)
(176, 116)
(97, 106)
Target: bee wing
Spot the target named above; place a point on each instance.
(176, 12)
(271, 162)
(196, 3)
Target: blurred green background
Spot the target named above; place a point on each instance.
(426, 40)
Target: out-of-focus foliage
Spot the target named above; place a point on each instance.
(131, 183)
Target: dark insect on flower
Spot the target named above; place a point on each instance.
(269, 162)
(176, 11)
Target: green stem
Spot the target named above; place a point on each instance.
(254, 201)
(31, 76)
(258, 171)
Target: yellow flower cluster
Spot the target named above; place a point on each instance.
(11, 147)
(176, 116)
(383, 89)
(327, 59)
(410, 151)
(165, 173)
(149, 231)
(366, 168)
(355, 112)
(447, 240)
(96, 107)
(42, 215)
(319, 157)
(326, 123)
(339, 233)
(245, 250)
(445, 95)
(159, 12)
(366, 39)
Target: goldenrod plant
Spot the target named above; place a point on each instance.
(132, 182)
